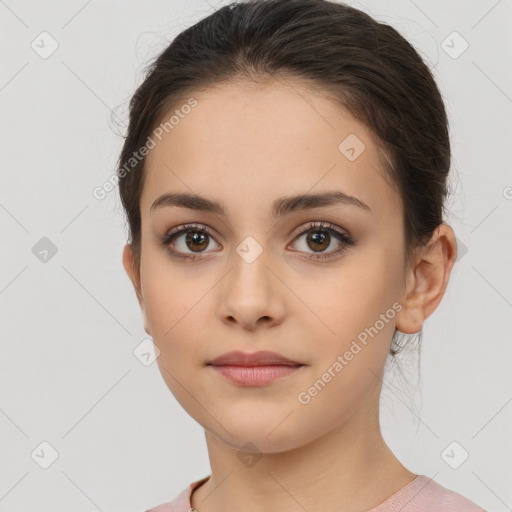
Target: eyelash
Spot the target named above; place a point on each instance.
(342, 237)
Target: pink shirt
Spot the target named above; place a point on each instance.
(420, 495)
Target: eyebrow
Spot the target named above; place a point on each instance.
(280, 207)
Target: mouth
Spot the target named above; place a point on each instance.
(254, 369)
(258, 375)
(261, 358)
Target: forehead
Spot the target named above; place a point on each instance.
(245, 144)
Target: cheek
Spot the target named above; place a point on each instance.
(169, 308)
(178, 308)
(355, 306)
(164, 288)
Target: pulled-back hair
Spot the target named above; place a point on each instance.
(365, 65)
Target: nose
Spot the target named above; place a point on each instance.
(252, 295)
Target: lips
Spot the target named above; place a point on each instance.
(254, 369)
(262, 358)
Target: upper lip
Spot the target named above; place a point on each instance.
(262, 358)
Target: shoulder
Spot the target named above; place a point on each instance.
(178, 504)
(169, 506)
(164, 507)
(181, 503)
(425, 495)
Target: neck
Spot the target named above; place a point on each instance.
(349, 468)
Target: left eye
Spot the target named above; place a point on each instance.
(319, 237)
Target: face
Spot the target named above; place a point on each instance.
(319, 283)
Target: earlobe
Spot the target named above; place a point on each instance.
(426, 282)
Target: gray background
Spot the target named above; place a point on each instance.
(70, 324)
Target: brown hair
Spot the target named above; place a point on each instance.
(368, 66)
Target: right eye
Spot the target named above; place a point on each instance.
(196, 238)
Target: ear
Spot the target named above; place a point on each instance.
(427, 279)
(133, 272)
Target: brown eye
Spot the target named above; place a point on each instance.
(196, 240)
(318, 240)
(320, 237)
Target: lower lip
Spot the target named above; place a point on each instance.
(255, 375)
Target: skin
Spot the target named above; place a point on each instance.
(245, 145)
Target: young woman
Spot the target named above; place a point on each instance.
(284, 176)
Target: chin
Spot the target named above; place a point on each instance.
(260, 440)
